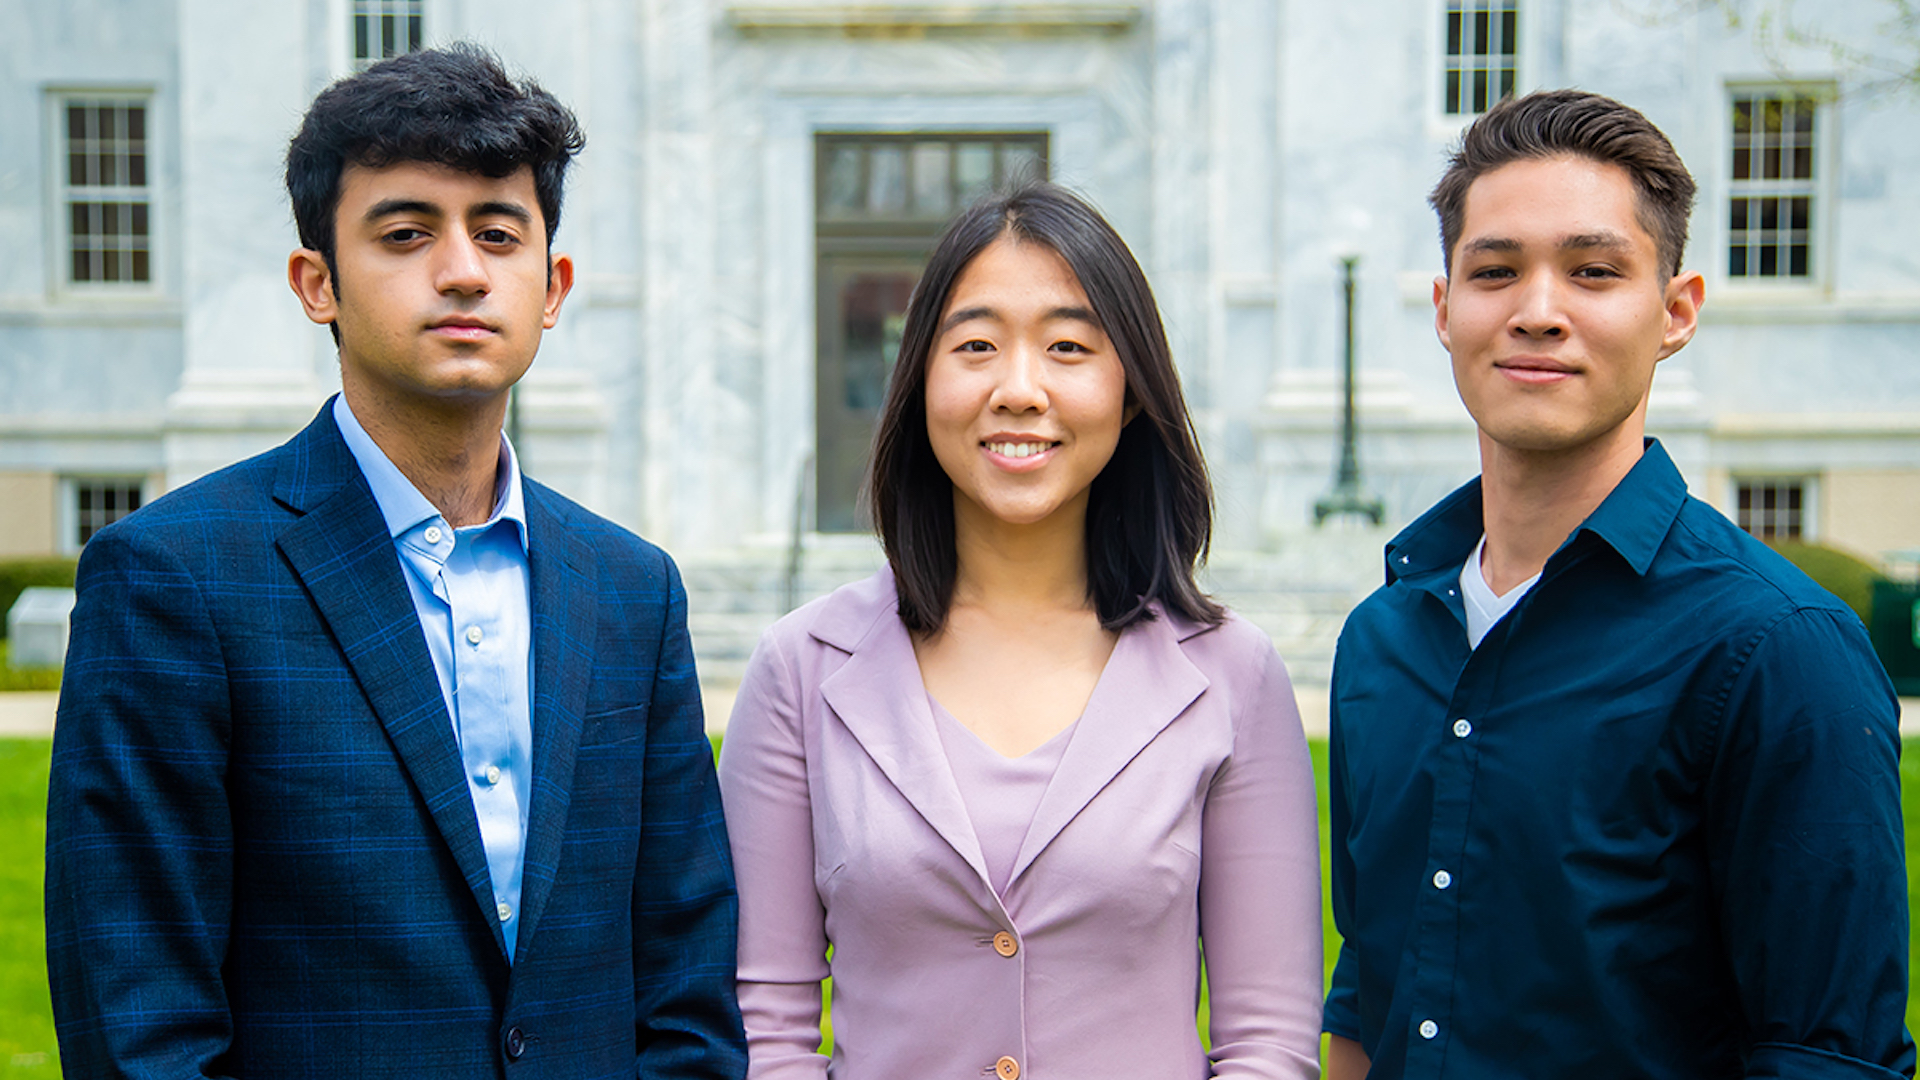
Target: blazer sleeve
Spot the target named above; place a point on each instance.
(139, 838)
(1260, 889)
(783, 938)
(684, 908)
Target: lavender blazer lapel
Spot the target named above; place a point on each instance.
(1148, 682)
(878, 695)
(340, 550)
(565, 589)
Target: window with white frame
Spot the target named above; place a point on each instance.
(1483, 54)
(100, 501)
(384, 28)
(1771, 194)
(106, 198)
(1772, 509)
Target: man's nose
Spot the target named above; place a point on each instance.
(459, 266)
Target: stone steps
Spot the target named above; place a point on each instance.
(1299, 593)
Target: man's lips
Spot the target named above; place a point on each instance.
(1535, 370)
(462, 328)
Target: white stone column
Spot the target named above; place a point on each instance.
(250, 355)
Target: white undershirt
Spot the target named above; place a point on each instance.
(1483, 607)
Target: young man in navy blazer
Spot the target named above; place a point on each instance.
(1614, 788)
(373, 757)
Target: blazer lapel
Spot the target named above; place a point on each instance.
(878, 695)
(1148, 682)
(340, 550)
(565, 591)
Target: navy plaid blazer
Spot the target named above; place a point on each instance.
(262, 857)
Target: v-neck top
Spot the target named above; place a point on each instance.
(1001, 793)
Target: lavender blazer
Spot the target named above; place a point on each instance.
(1182, 812)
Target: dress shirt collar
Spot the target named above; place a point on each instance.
(401, 504)
(1633, 520)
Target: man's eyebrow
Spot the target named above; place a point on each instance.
(502, 209)
(389, 207)
(1606, 240)
(1501, 244)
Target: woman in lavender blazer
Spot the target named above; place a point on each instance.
(1012, 790)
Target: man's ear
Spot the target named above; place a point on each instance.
(312, 282)
(1440, 311)
(559, 284)
(1686, 294)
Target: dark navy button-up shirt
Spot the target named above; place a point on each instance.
(1651, 827)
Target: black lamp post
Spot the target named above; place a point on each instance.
(1347, 496)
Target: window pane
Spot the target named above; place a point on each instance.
(972, 170)
(841, 196)
(932, 184)
(886, 180)
(1020, 162)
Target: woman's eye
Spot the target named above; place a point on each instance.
(1070, 347)
(975, 345)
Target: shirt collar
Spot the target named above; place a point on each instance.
(1633, 520)
(401, 504)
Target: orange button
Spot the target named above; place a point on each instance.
(1004, 944)
(1007, 1069)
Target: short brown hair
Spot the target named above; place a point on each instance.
(1551, 123)
(1150, 511)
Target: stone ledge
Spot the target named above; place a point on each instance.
(916, 20)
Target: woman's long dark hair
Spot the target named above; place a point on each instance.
(1149, 512)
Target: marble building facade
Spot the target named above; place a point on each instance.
(734, 287)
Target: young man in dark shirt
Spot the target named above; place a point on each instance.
(1615, 789)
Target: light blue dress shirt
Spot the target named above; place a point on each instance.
(470, 587)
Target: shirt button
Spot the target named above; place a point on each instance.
(1007, 1069)
(1462, 729)
(432, 534)
(474, 635)
(1442, 879)
(1403, 560)
(505, 911)
(1428, 1029)
(1004, 944)
(493, 775)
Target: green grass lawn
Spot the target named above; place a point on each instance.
(26, 1024)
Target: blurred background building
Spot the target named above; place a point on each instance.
(763, 180)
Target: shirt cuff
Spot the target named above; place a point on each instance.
(1786, 1061)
